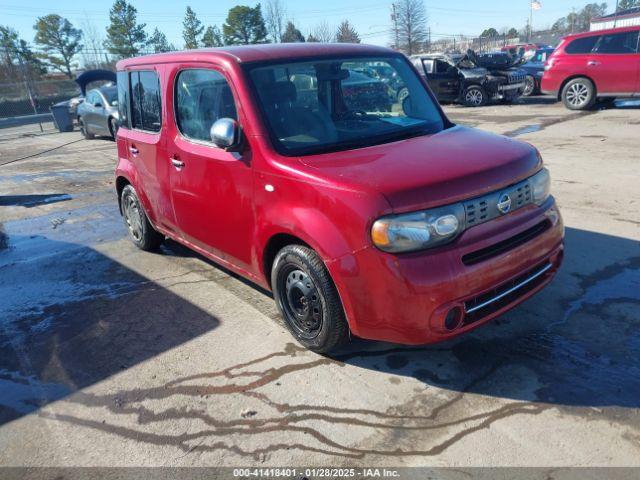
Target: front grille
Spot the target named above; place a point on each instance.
(492, 301)
(516, 78)
(506, 245)
(482, 209)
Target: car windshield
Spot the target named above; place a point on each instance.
(340, 104)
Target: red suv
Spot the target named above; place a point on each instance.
(603, 64)
(369, 214)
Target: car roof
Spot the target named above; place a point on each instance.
(257, 53)
(602, 32)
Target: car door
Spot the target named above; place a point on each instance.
(89, 111)
(146, 146)
(211, 188)
(613, 63)
(100, 116)
(448, 80)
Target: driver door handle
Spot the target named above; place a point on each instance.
(592, 63)
(177, 163)
(133, 150)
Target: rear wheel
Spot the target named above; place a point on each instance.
(529, 86)
(141, 232)
(84, 130)
(474, 96)
(308, 300)
(579, 94)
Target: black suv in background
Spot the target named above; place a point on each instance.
(472, 79)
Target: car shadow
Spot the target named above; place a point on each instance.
(576, 343)
(72, 316)
(29, 201)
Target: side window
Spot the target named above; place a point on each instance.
(582, 45)
(91, 98)
(123, 98)
(146, 111)
(618, 43)
(428, 66)
(202, 97)
(442, 66)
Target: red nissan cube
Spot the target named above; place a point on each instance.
(603, 64)
(347, 193)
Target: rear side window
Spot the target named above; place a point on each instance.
(582, 45)
(123, 98)
(618, 43)
(202, 97)
(146, 110)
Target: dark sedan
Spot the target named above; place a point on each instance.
(535, 68)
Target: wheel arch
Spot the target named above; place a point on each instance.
(573, 77)
(121, 182)
(274, 244)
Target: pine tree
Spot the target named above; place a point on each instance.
(292, 34)
(212, 37)
(125, 37)
(347, 34)
(192, 29)
(60, 40)
(159, 43)
(244, 26)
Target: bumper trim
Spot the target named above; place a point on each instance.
(524, 282)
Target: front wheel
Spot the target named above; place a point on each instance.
(474, 96)
(579, 94)
(308, 300)
(141, 232)
(529, 86)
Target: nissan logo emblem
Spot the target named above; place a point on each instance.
(504, 203)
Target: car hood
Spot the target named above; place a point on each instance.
(423, 172)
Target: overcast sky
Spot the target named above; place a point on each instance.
(370, 17)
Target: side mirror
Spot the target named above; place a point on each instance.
(225, 134)
(97, 104)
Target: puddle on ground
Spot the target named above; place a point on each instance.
(524, 130)
(26, 394)
(623, 286)
(36, 200)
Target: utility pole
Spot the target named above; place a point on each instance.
(394, 18)
(530, 21)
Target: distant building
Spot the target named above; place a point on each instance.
(624, 18)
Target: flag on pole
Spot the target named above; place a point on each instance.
(536, 5)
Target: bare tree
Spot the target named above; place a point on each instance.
(275, 19)
(411, 18)
(323, 32)
(93, 53)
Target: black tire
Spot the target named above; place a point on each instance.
(474, 96)
(579, 94)
(113, 127)
(529, 86)
(308, 299)
(83, 129)
(402, 94)
(141, 232)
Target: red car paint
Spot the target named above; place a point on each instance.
(218, 204)
(616, 75)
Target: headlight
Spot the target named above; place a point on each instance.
(418, 230)
(540, 186)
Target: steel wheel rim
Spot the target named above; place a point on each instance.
(474, 97)
(301, 302)
(528, 86)
(577, 94)
(132, 217)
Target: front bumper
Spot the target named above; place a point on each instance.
(406, 298)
